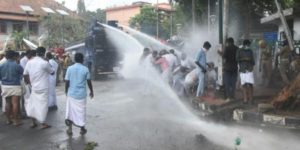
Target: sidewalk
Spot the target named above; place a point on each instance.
(218, 109)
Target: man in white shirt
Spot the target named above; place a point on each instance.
(24, 60)
(36, 74)
(52, 82)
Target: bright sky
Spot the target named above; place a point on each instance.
(95, 4)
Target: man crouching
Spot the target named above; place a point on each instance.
(76, 77)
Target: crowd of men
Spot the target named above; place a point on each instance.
(28, 85)
(29, 80)
(184, 75)
(181, 72)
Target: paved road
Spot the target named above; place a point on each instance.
(126, 115)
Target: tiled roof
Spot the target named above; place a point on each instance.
(13, 6)
(18, 17)
(124, 7)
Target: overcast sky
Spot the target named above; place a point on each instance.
(95, 4)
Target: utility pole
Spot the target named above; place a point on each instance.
(208, 16)
(27, 25)
(157, 20)
(193, 15)
(171, 19)
(285, 25)
(220, 3)
(225, 20)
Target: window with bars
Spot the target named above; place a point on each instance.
(17, 27)
(3, 27)
(33, 28)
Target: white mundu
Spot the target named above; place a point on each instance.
(38, 70)
(52, 84)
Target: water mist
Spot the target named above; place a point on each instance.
(174, 110)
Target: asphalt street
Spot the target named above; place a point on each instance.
(124, 115)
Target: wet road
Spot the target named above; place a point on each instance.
(124, 115)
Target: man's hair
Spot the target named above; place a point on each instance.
(79, 58)
(23, 54)
(9, 54)
(49, 55)
(207, 45)
(32, 53)
(146, 49)
(27, 53)
(16, 54)
(230, 40)
(246, 42)
(155, 52)
(40, 51)
(172, 51)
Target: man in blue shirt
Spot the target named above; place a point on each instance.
(76, 78)
(11, 75)
(201, 63)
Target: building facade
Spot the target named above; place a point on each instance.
(123, 14)
(14, 19)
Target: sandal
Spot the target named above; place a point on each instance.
(18, 124)
(68, 122)
(69, 132)
(83, 131)
(45, 126)
(33, 126)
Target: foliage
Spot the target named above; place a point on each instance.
(18, 39)
(146, 21)
(99, 15)
(91, 145)
(81, 8)
(257, 6)
(260, 7)
(186, 7)
(72, 29)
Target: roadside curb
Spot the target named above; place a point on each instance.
(265, 118)
(220, 111)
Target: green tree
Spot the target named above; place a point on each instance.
(72, 29)
(81, 11)
(200, 9)
(18, 40)
(99, 14)
(146, 21)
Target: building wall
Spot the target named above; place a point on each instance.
(9, 26)
(122, 16)
(297, 28)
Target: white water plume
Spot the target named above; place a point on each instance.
(145, 39)
(177, 112)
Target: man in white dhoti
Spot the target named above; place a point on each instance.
(36, 74)
(245, 59)
(76, 78)
(52, 83)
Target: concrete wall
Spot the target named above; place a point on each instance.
(297, 28)
(122, 16)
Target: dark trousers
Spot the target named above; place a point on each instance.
(230, 79)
